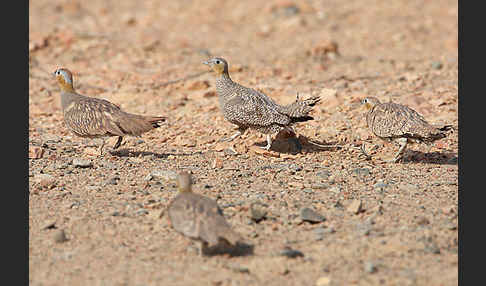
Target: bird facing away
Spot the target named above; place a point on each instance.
(248, 108)
(91, 117)
(199, 217)
(400, 124)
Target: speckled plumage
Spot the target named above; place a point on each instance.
(199, 217)
(399, 123)
(93, 117)
(248, 108)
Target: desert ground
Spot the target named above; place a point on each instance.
(100, 219)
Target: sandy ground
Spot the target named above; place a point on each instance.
(147, 57)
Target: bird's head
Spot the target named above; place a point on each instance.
(184, 182)
(219, 65)
(64, 79)
(370, 102)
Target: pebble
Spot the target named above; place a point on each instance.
(49, 225)
(370, 267)
(354, 207)
(291, 253)
(436, 65)
(310, 215)
(166, 175)
(112, 181)
(46, 180)
(380, 186)
(323, 281)
(258, 211)
(82, 163)
(323, 174)
(60, 236)
(361, 171)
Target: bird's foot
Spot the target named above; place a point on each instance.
(363, 152)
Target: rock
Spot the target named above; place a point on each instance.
(310, 215)
(46, 181)
(230, 151)
(361, 172)
(217, 163)
(112, 181)
(60, 236)
(36, 152)
(323, 174)
(165, 175)
(51, 138)
(354, 207)
(258, 211)
(291, 253)
(370, 267)
(51, 224)
(82, 163)
(323, 281)
(436, 65)
(380, 186)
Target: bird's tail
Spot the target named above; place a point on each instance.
(155, 120)
(298, 111)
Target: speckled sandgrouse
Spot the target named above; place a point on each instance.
(98, 118)
(248, 108)
(400, 124)
(199, 217)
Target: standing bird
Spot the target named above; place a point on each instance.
(248, 108)
(400, 124)
(98, 118)
(199, 217)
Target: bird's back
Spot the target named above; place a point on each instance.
(200, 218)
(392, 120)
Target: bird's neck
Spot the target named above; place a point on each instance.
(67, 97)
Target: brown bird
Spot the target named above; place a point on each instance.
(199, 217)
(400, 124)
(248, 108)
(98, 118)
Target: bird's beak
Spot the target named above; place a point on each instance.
(206, 62)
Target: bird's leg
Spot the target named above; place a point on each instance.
(368, 157)
(403, 143)
(118, 143)
(100, 149)
(269, 142)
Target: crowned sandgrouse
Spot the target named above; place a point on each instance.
(98, 118)
(248, 108)
(400, 124)
(199, 217)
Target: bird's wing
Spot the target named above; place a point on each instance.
(254, 109)
(182, 215)
(391, 120)
(92, 117)
(212, 223)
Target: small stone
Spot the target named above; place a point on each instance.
(258, 211)
(230, 151)
(142, 212)
(217, 163)
(60, 236)
(165, 175)
(436, 65)
(354, 207)
(370, 267)
(310, 215)
(361, 172)
(36, 152)
(291, 253)
(380, 186)
(323, 281)
(46, 181)
(49, 225)
(323, 174)
(82, 163)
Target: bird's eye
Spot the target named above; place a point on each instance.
(218, 62)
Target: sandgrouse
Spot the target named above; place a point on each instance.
(248, 108)
(199, 217)
(98, 118)
(400, 124)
